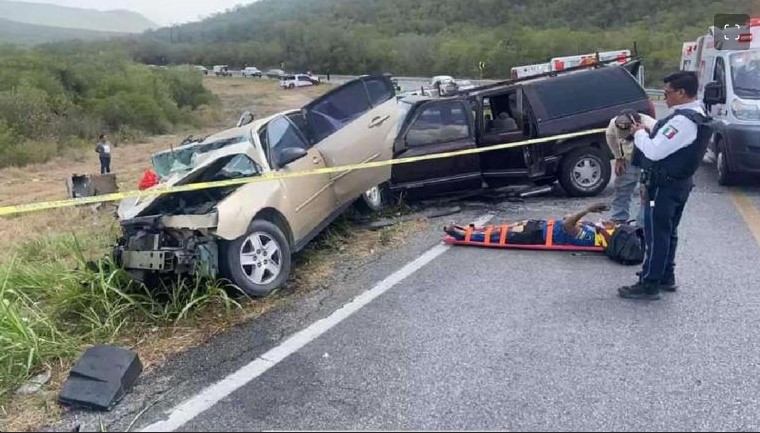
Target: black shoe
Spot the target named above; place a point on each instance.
(669, 285)
(646, 291)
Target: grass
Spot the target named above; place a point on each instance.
(55, 302)
(59, 294)
(49, 310)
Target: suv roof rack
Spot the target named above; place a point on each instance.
(599, 63)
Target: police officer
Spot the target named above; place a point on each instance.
(620, 142)
(669, 155)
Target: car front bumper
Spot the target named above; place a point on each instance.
(743, 147)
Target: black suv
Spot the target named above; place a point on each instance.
(512, 112)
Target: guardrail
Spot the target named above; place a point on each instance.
(656, 94)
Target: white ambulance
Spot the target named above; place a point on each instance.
(729, 87)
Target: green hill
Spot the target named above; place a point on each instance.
(120, 21)
(427, 37)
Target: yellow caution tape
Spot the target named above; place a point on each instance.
(32, 207)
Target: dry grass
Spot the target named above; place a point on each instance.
(47, 182)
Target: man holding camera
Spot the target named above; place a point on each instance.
(669, 155)
(619, 138)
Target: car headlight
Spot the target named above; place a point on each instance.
(745, 111)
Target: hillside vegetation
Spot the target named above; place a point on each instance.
(54, 99)
(427, 37)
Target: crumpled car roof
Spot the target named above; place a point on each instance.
(132, 206)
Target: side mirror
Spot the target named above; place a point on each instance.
(290, 154)
(399, 144)
(715, 93)
(245, 118)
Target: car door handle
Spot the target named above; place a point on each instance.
(377, 121)
(316, 160)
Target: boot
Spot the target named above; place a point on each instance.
(669, 284)
(648, 291)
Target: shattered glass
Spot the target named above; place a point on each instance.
(185, 158)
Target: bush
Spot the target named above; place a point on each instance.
(52, 303)
(54, 94)
(26, 110)
(15, 151)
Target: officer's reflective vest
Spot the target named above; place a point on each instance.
(683, 163)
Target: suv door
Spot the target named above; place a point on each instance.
(719, 75)
(352, 125)
(510, 122)
(311, 198)
(435, 127)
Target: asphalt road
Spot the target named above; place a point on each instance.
(483, 339)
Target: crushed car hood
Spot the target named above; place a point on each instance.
(245, 152)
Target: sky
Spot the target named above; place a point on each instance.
(162, 12)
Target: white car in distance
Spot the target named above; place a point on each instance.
(293, 81)
(251, 71)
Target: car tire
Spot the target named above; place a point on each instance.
(725, 176)
(290, 86)
(585, 172)
(273, 249)
(373, 200)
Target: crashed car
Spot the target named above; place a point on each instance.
(513, 112)
(247, 233)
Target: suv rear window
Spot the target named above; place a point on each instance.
(586, 91)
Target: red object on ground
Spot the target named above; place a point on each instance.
(148, 180)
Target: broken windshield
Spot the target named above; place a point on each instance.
(185, 158)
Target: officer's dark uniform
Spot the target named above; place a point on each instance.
(668, 184)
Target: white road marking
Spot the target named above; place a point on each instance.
(207, 398)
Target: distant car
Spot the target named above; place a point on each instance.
(293, 81)
(314, 79)
(464, 85)
(251, 71)
(275, 73)
(201, 68)
(222, 71)
(440, 79)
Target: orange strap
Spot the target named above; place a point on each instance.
(503, 239)
(468, 234)
(549, 232)
(488, 232)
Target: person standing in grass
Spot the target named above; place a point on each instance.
(103, 148)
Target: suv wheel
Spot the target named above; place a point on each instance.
(585, 172)
(373, 200)
(259, 261)
(725, 176)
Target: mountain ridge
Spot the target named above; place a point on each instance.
(50, 15)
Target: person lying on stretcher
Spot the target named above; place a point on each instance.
(571, 231)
